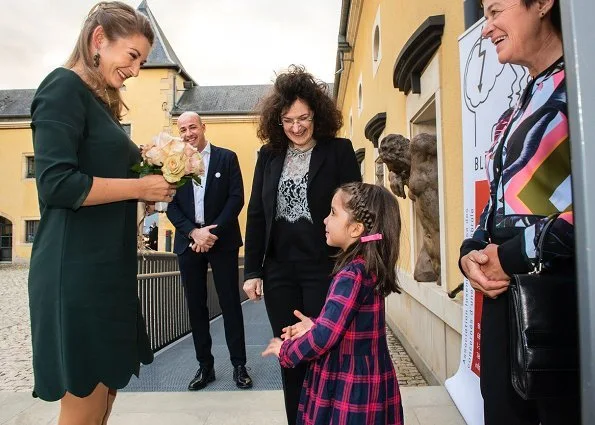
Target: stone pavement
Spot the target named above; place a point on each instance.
(423, 405)
(16, 372)
(407, 373)
(15, 347)
(428, 405)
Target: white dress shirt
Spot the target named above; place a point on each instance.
(199, 190)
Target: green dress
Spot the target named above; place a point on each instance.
(86, 323)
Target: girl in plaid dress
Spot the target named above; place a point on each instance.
(351, 378)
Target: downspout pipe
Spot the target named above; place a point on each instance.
(342, 42)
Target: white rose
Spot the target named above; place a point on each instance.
(195, 165)
(176, 146)
(174, 168)
(155, 156)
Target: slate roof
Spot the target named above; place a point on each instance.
(206, 100)
(221, 100)
(16, 103)
(162, 55)
(224, 100)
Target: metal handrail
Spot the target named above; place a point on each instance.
(162, 299)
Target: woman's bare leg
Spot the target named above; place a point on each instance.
(90, 410)
(111, 397)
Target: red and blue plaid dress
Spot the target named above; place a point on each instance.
(351, 379)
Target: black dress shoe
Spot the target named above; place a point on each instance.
(204, 375)
(241, 377)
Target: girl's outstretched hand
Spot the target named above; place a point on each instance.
(300, 328)
(274, 348)
(286, 333)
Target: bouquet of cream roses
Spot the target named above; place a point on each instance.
(177, 161)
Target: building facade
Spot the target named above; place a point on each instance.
(398, 74)
(161, 92)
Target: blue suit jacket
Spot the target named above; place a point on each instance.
(224, 199)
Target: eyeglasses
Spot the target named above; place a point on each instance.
(302, 121)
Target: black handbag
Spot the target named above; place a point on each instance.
(543, 319)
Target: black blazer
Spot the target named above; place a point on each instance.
(224, 199)
(332, 163)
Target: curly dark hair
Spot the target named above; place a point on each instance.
(294, 84)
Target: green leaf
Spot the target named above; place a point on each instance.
(144, 169)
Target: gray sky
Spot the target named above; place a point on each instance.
(219, 42)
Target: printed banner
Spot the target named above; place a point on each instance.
(488, 88)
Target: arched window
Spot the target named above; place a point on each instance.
(376, 44)
(360, 97)
(5, 239)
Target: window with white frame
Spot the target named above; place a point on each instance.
(376, 44)
(360, 96)
(31, 230)
(29, 167)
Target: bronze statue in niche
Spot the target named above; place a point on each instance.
(414, 164)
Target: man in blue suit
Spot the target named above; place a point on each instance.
(208, 232)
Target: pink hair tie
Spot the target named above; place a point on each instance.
(369, 238)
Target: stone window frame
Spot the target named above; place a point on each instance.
(28, 166)
(376, 39)
(415, 105)
(360, 96)
(30, 227)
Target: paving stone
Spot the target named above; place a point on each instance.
(408, 375)
(16, 371)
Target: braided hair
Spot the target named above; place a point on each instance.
(378, 211)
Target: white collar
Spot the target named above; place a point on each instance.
(207, 149)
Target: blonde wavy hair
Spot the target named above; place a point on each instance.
(118, 20)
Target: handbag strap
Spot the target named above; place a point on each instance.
(541, 241)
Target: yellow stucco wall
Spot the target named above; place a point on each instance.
(18, 195)
(398, 21)
(424, 318)
(149, 98)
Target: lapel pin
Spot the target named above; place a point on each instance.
(217, 174)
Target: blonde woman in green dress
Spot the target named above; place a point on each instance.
(88, 333)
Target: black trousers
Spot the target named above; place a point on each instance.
(502, 405)
(290, 286)
(193, 270)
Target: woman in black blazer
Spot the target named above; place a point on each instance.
(298, 169)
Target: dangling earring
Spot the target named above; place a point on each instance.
(96, 58)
